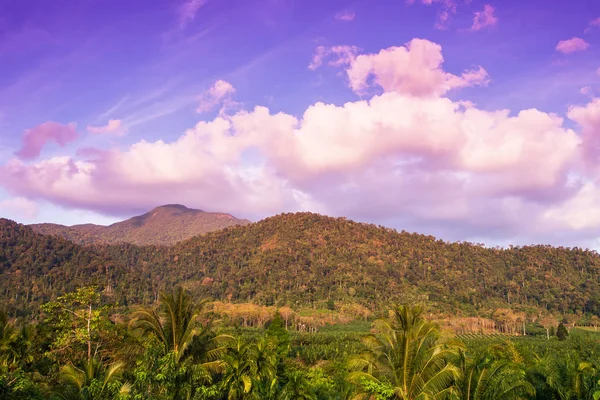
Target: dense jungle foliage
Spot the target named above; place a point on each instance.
(81, 347)
(306, 261)
(296, 307)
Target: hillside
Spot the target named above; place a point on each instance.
(305, 260)
(163, 225)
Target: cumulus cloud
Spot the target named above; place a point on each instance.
(346, 15)
(427, 158)
(588, 118)
(113, 127)
(35, 139)
(414, 69)
(485, 18)
(408, 154)
(572, 45)
(221, 90)
(20, 207)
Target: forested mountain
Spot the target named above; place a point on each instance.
(304, 260)
(163, 225)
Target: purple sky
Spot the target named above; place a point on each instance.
(465, 119)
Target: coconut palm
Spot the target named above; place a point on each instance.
(265, 359)
(189, 351)
(570, 379)
(408, 354)
(93, 381)
(489, 379)
(176, 325)
(250, 369)
(239, 371)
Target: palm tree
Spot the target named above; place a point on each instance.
(570, 379)
(265, 361)
(23, 346)
(297, 387)
(409, 354)
(239, 371)
(250, 369)
(176, 325)
(8, 336)
(488, 379)
(93, 381)
(189, 349)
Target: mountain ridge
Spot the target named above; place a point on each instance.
(163, 225)
(305, 260)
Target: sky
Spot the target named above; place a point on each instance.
(469, 120)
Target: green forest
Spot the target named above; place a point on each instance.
(305, 260)
(81, 347)
(296, 306)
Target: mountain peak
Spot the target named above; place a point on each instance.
(178, 207)
(163, 225)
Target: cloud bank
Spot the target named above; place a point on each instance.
(406, 153)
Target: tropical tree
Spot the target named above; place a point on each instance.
(570, 379)
(239, 371)
(8, 336)
(93, 381)
(15, 355)
(80, 326)
(547, 321)
(265, 362)
(177, 325)
(408, 353)
(561, 332)
(174, 324)
(187, 350)
(250, 369)
(297, 387)
(17, 385)
(488, 379)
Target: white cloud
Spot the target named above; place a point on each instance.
(114, 126)
(572, 45)
(220, 91)
(414, 69)
(407, 154)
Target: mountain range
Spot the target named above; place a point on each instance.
(303, 260)
(164, 225)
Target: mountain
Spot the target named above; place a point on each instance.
(163, 225)
(304, 260)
